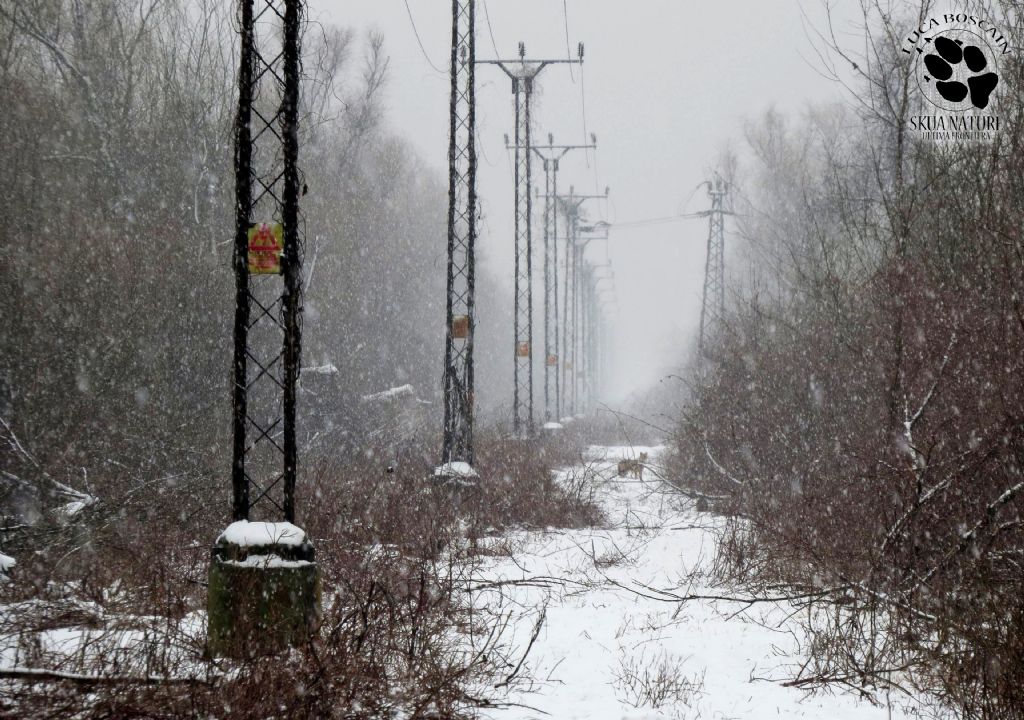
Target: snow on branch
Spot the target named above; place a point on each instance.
(391, 394)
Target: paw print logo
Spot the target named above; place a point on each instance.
(960, 73)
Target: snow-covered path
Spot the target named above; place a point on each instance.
(601, 650)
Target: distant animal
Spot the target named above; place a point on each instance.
(633, 467)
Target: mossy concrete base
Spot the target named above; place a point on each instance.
(261, 600)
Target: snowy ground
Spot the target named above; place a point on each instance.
(601, 650)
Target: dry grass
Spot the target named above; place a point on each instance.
(394, 551)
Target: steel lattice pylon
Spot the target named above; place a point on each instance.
(267, 335)
(600, 328)
(568, 312)
(550, 293)
(550, 155)
(574, 323)
(458, 350)
(572, 328)
(522, 73)
(591, 382)
(713, 302)
(586, 318)
(522, 398)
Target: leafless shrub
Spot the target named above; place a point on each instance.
(657, 681)
(858, 414)
(107, 618)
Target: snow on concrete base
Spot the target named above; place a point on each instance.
(457, 469)
(553, 426)
(267, 561)
(567, 420)
(243, 533)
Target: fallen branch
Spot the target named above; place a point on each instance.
(533, 638)
(43, 675)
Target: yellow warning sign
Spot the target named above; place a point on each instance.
(266, 243)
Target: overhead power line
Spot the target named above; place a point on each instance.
(420, 42)
(490, 30)
(568, 50)
(660, 220)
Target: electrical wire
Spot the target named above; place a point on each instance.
(483, 150)
(583, 112)
(418, 40)
(689, 197)
(568, 50)
(586, 139)
(659, 221)
(490, 30)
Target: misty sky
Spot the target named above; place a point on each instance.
(667, 87)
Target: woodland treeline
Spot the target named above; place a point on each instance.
(116, 285)
(116, 299)
(860, 414)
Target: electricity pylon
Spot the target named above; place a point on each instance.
(602, 332)
(267, 260)
(551, 154)
(523, 72)
(586, 334)
(712, 309)
(458, 348)
(574, 247)
(591, 326)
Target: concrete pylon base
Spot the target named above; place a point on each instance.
(264, 590)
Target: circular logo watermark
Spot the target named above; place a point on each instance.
(960, 72)
(956, 66)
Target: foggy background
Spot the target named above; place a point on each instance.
(666, 87)
(848, 448)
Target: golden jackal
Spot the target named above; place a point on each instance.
(634, 467)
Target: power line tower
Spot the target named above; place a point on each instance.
(267, 261)
(458, 349)
(586, 367)
(591, 330)
(267, 339)
(602, 330)
(551, 154)
(523, 72)
(712, 308)
(571, 325)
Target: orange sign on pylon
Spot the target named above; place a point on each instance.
(552, 360)
(523, 349)
(266, 243)
(460, 327)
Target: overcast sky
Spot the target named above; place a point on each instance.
(666, 85)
